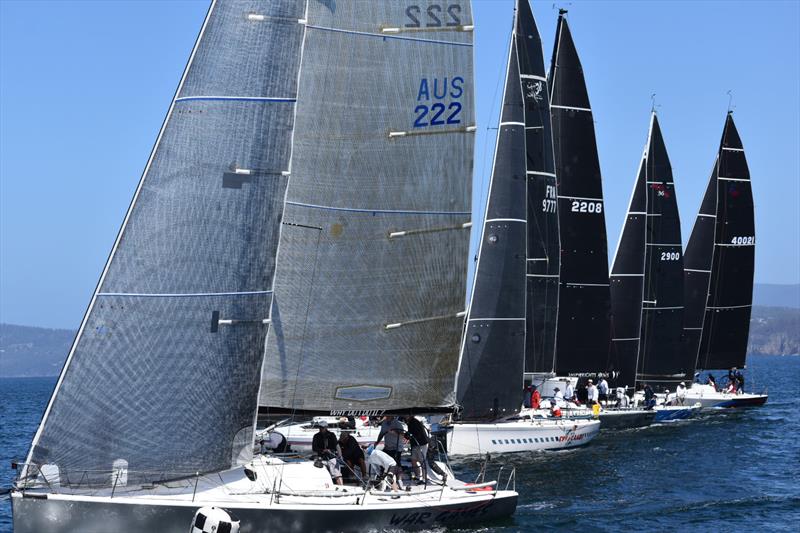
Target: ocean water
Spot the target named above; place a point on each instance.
(722, 471)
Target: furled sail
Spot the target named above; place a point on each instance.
(543, 240)
(493, 350)
(647, 278)
(583, 340)
(369, 288)
(720, 261)
(162, 378)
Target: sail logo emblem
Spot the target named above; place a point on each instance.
(661, 189)
(363, 393)
(534, 90)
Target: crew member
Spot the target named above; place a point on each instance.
(680, 394)
(602, 390)
(325, 446)
(417, 435)
(592, 394)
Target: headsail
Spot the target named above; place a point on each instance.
(369, 289)
(543, 239)
(493, 351)
(583, 337)
(647, 277)
(720, 260)
(163, 374)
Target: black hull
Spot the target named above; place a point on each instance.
(35, 515)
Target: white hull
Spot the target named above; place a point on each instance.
(285, 496)
(520, 436)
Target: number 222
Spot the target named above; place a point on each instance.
(436, 111)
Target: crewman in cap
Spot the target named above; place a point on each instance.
(325, 446)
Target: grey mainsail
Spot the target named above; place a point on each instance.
(493, 350)
(720, 262)
(163, 374)
(369, 299)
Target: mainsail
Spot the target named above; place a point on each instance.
(719, 262)
(369, 299)
(493, 350)
(543, 250)
(583, 335)
(647, 277)
(162, 377)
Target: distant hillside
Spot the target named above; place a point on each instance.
(774, 331)
(772, 295)
(28, 351)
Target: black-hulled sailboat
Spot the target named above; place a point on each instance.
(510, 318)
(311, 149)
(647, 282)
(719, 266)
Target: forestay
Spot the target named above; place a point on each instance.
(162, 378)
(583, 337)
(720, 259)
(493, 350)
(369, 289)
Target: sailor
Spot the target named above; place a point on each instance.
(432, 456)
(739, 381)
(325, 446)
(592, 394)
(526, 396)
(732, 376)
(536, 398)
(559, 396)
(569, 392)
(622, 398)
(711, 381)
(555, 410)
(274, 443)
(649, 397)
(602, 390)
(680, 394)
(352, 453)
(392, 432)
(417, 435)
(381, 467)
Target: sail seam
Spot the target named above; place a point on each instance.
(385, 36)
(733, 245)
(586, 284)
(506, 220)
(733, 179)
(725, 148)
(626, 339)
(512, 123)
(495, 318)
(375, 211)
(396, 325)
(580, 198)
(627, 275)
(662, 244)
(696, 270)
(541, 173)
(660, 308)
(729, 306)
(542, 275)
(532, 77)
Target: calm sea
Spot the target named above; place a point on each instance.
(732, 470)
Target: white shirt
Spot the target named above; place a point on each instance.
(379, 460)
(570, 392)
(681, 391)
(603, 386)
(593, 393)
(271, 441)
(559, 395)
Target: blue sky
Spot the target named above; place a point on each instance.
(84, 87)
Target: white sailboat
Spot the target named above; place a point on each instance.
(311, 149)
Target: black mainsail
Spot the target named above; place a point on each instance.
(493, 350)
(720, 260)
(647, 277)
(543, 252)
(583, 339)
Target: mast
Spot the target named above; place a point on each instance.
(163, 373)
(720, 262)
(372, 261)
(543, 252)
(583, 336)
(493, 350)
(651, 238)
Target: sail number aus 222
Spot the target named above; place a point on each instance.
(438, 101)
(436, 16)
(582, 206)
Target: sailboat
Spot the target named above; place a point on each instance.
(647, 282)
(719, 267)
(306, 204)
(493, 353)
